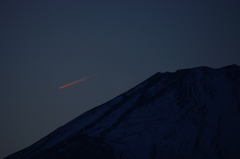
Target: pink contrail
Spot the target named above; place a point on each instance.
(80, 80)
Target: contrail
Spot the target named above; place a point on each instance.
(80, 80)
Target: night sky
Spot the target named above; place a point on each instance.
(46, 44)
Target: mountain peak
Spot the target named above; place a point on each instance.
(190, 113)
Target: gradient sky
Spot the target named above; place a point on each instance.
(46, 44)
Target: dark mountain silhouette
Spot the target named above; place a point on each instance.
(191, 113)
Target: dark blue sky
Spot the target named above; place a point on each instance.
(47, 44)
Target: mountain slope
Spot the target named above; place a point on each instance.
(192, 113)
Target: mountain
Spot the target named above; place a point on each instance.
(189, 114)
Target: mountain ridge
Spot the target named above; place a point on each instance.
(166, 116)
